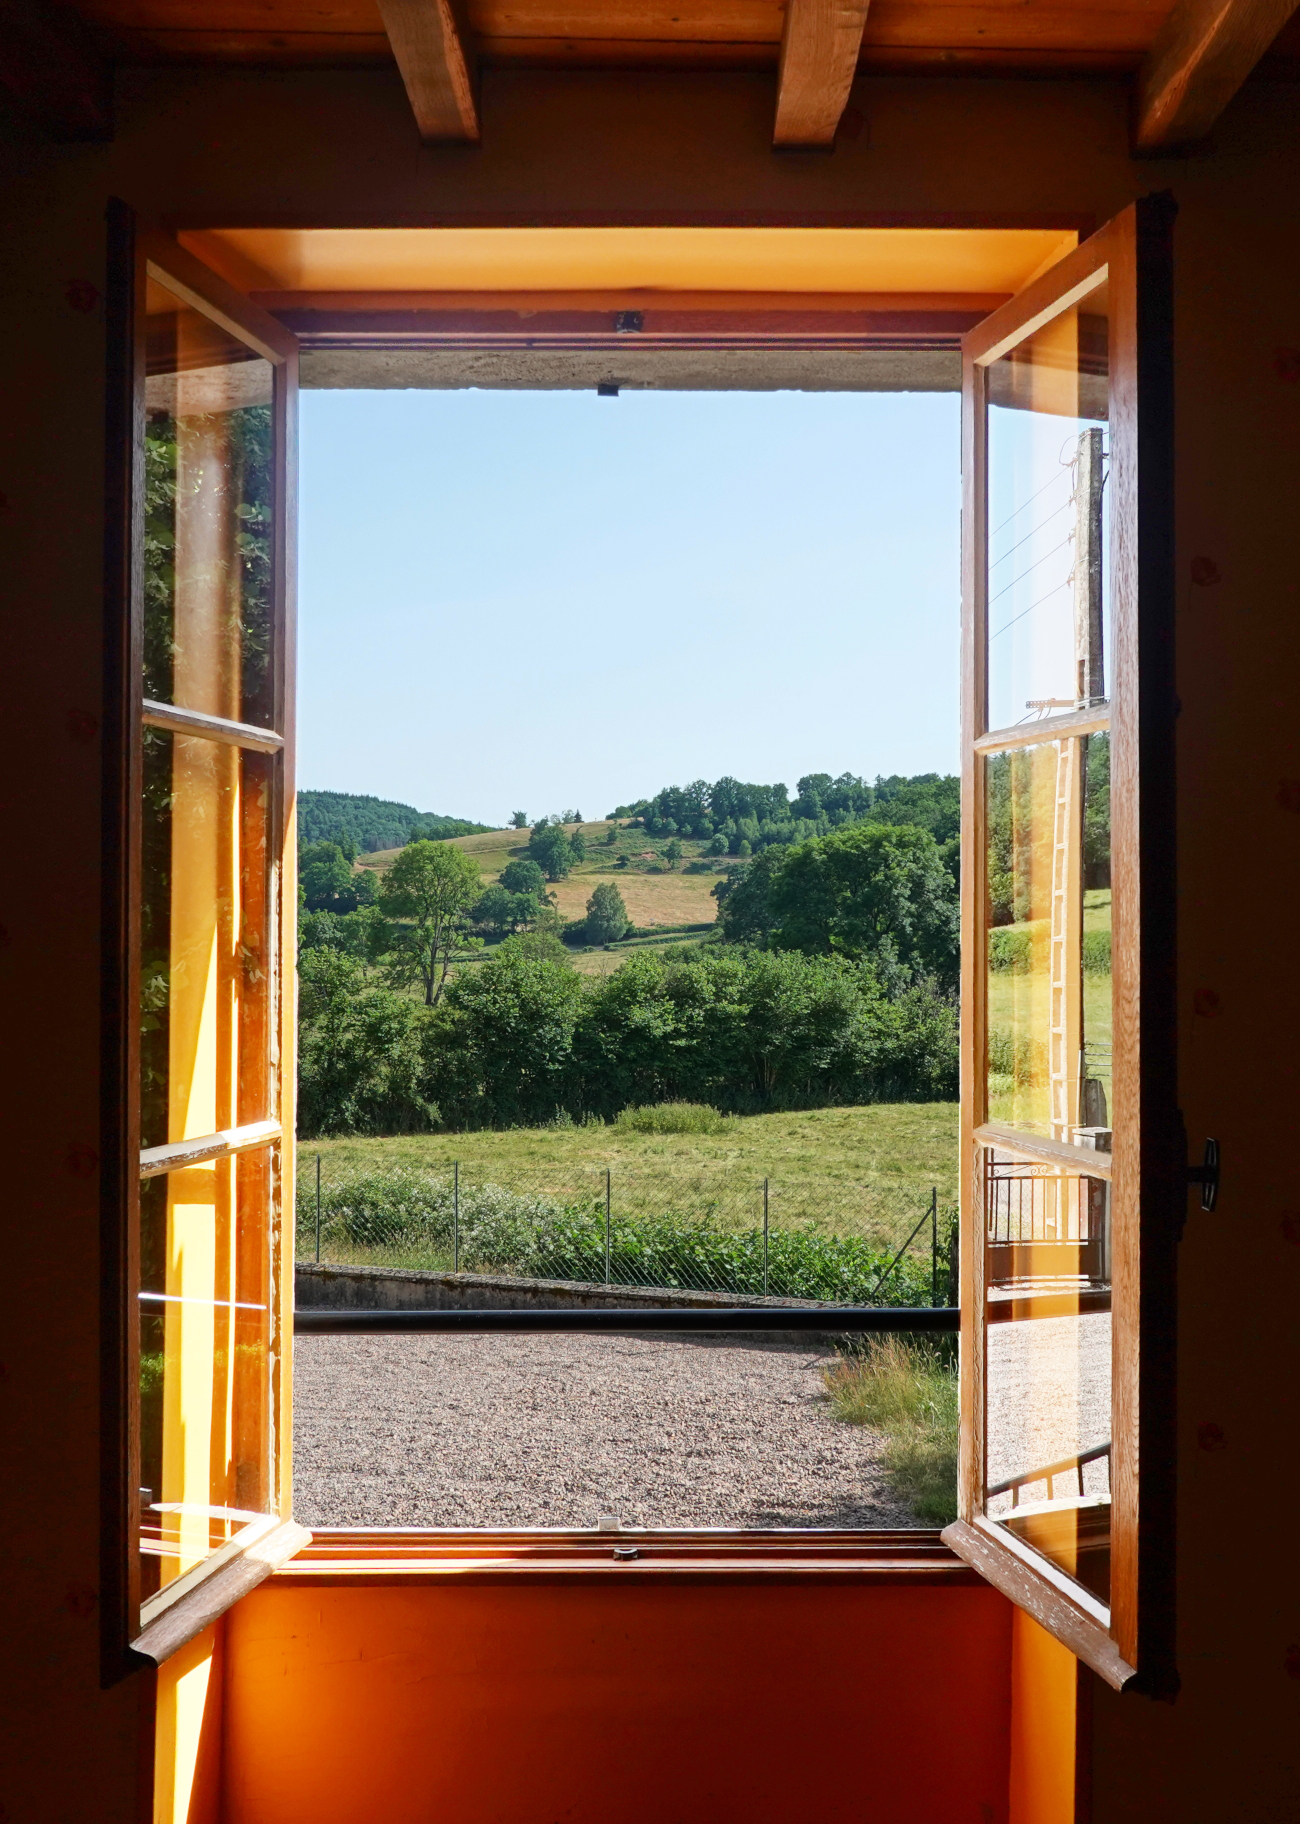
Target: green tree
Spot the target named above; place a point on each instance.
(361, 1063)
(578, 846)
(607, 918)
(673, 853)
(523, 877)
(551, 849)
(869, 890)
(504, 912)
(429, 889)
(327, 881)
(519, 820)
(499, 1051)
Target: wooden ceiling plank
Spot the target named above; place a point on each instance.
(820, 46)
(435, 54)
(1200, 58)
(55, 69)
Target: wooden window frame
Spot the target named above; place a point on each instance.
(134, 1635)
(1130, 1641)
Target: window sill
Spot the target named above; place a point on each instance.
(378, 1555)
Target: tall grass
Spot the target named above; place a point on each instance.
(674, 1118)
(909, 1392)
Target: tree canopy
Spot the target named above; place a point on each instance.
(328, 882)
(429, 889)
(607, 918)
(373, 823)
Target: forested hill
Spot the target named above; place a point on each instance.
(372, 823)
(731, 812)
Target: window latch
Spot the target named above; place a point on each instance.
(1206, 1174)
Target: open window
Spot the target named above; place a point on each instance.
(1070, 1155)
(206, 1053)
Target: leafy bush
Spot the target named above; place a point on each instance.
(672, 1118)
(906, 1390)
(1096, 952)
(1010, 950)
(413, 1212)
(1017, 1057)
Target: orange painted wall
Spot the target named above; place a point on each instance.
(1044, 1711)
(666, 1704)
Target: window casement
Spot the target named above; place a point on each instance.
(203, 1085)
(1073, 1178)
(1073, 1169)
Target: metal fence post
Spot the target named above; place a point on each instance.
(934, 1244)
(765, 1238)
(455, 1214)
(318, 1209)
(606, 1225)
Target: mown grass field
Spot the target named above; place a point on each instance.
(652, 893)
(846, 1171)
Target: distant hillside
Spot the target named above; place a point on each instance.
(373, 823)
(730, 813)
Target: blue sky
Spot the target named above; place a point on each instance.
(539, 601)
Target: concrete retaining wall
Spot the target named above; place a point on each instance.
(403, 1288)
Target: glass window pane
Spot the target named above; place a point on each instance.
(1048, 1363)
(208, 529)
(1049, 976)
(1048, 543)
(206, 1342)
(206, 938)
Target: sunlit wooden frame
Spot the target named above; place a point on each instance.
(134, 1633)
(1131, 1639)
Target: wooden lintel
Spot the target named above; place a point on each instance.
(56, 70)
(1201, 56)
(432, 44)
(820, 44)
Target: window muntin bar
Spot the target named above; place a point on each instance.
(208, 561)
(216, 728)
(207, 1352)
(159, 1159)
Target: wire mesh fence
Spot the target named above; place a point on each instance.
(653, 1224)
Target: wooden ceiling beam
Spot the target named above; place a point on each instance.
(56, 70)
(434, 49)
(820, 44)
(1201, 56)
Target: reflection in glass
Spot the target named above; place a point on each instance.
(1048, 519)
(1049, 969)
(205, 1359)
(1048, 1363)
(205, 936)
(208, 516)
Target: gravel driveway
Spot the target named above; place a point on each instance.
(554, 1431)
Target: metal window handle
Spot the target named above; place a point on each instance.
(1207, 1175)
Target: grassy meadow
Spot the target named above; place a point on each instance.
(1019, 1008)
(841, 1171)
(653, 893)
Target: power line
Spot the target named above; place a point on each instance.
(1064, 507)
(1024, 573)
(1032, 606)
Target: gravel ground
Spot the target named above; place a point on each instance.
(555, 1430)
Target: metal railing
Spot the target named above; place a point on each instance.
(1048, 1473)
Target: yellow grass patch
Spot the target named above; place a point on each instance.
(651, 899)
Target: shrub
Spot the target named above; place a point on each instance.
(1017, 1057)
(1096, 952)
(906, 1390)
(672, 1118)
(1012, 950)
